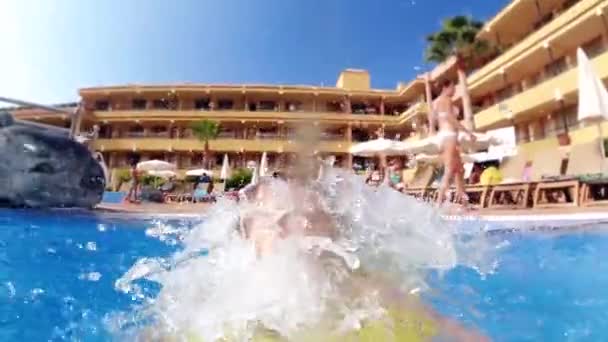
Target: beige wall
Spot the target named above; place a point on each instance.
(354, 80)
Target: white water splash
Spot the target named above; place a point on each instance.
(299, 284)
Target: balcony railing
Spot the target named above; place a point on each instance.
(547, 32)
(537, 96)
(225, 145)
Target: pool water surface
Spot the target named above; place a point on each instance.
(58, 268)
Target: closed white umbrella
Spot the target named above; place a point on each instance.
(436, 158)
(482, 141)
(225, 172)
(163, 173)
(255, 177)
(379, 146)
(263, 165)
(155, 165)
(428, 145)
(199, 172)
(432, 145)
(592, 97)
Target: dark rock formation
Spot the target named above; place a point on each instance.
(43, 168)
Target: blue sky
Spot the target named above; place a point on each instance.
(53, 47)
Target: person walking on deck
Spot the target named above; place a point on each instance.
(449, 128)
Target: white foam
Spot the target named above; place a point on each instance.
(232, 290)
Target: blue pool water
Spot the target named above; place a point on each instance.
(57, 274)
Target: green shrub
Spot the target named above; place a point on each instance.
(239, 178)
(154, 181)
(120, 177)
(124, 175)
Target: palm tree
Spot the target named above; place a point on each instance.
(205, 130)
(458, 38)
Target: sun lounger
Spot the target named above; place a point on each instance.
(478, 195)
(174, 195)
(513, 193)
(419, 185)
(585, 163)
(554, 190)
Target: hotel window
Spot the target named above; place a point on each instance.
(293, 106)
(105, 132)
(543, 21)
(556, 67)
(225, 104)
(202, 104)
(594, 47)
(360, 135)
(395, 109)
(504, 93)
(226, 133)
(571, 114)
(335, 106)
(267, 106)
(139, 104)
(159, 131)
(358, 108)
(160, 104)
(102, 105)
(135, 132)
(570, 3)
(267, 133)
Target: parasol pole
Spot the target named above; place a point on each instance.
(602, 149)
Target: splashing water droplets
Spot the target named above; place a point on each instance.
(218, 285)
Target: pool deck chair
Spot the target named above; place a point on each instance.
(553, 190)
(419, 186)
(478, 195)
(585, 163)
(517, 192)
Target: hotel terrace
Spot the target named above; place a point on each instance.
(154, 121)
(531, 85)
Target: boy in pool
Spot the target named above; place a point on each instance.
(267, 219)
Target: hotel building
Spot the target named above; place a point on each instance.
(531, 85)
(154, 120)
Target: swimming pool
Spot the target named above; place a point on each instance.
(58, 268)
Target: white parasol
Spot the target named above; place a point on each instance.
(263, 165)
(432, 145)
(162, 173)
(155, 165)
(592, 97)
(436, 158)
(199, 172)
(255, 176)
(379, 146)
(225, 172)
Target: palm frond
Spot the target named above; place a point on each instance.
(458, 36)
(205, 130)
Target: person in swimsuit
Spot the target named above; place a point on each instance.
(395, 169)
(449, 128)
(132, 195)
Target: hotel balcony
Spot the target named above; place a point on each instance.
(239, 116)
(222, 144)
(542, 98)
(570, 29)
(259, 116)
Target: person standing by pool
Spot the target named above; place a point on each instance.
(449, 127)
(133, 189)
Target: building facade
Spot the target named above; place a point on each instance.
(530, 84)
(154, 121)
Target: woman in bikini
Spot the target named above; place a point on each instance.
(449, 128)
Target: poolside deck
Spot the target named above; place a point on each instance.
(524, 215)
(156, 208)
